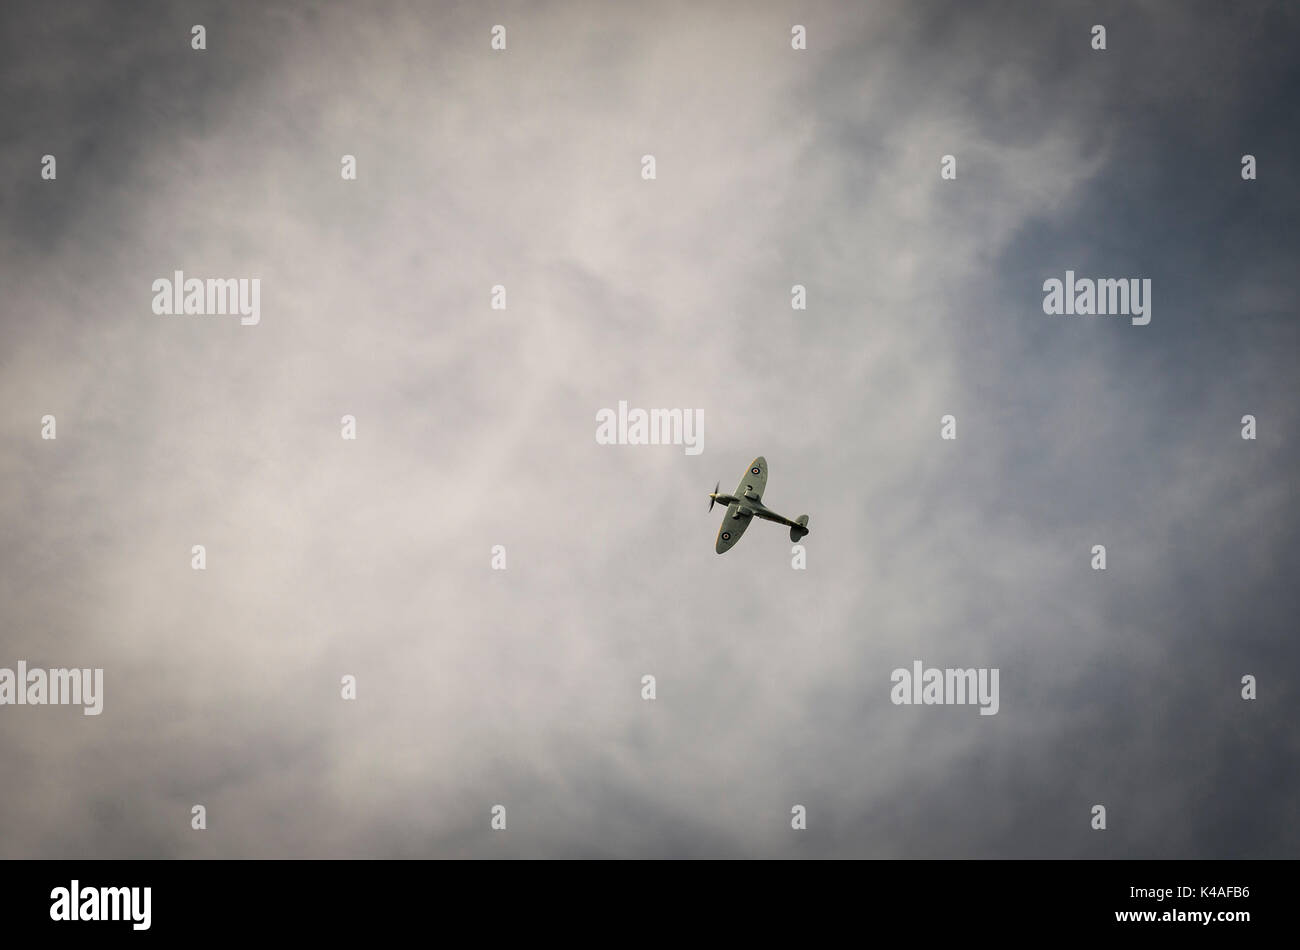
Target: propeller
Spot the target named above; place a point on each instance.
(712, 500)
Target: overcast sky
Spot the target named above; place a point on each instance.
(476, 427)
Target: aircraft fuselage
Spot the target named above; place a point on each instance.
(756, 508)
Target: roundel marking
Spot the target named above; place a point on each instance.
(756, 470)
(726, 536)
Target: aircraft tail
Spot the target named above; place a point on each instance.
(798, 532)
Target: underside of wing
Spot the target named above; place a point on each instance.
(734, 523)
(754, 481)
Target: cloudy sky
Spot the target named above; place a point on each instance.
(475, 427)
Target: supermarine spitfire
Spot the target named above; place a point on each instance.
(746, 505)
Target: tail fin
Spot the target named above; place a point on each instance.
(800, 531)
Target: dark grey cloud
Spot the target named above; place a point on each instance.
(476, 427)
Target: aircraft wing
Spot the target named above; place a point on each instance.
(754, 481)
(731, 529)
